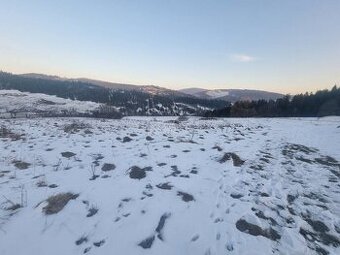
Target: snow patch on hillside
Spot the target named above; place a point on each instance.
(217, 93)
(14, 101)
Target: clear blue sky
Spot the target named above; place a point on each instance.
(287, 46)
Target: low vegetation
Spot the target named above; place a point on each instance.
(57, 202)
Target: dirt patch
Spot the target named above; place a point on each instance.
(290, 150)
(57, 203)
(322, 237)
(12, 207)
(68, 154)
(21, 164)
(147, 243)
(328, 161)
(254, 230)
(261, 215)
(257, 167)
(265, 160)
(194, 238)
(218, 148)
(317, 225)
(316, 196)
(161, 224)
(92, 211)
(88, 132)
(82, 239)
(194, 170)
(99, 243)
(175, 171)
(165, 186)
(97, 158)
(6, 133)
(46, 102)
(185, 196)
(41, 184)
(126, 139)
(184, 176)
(108, 167)
(237, 161)
(149, 138)
(236, 195)
(306, 160)
(291, 198)
(136, 172)
(86, 250)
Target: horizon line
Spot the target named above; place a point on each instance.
(162, 86)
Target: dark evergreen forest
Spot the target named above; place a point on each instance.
(322, 103)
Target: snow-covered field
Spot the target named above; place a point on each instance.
(155, 186)
(25, 103)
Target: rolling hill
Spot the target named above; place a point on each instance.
(232, 95)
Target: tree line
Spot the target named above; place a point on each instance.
(321, 103)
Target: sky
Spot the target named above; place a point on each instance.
(288, 46)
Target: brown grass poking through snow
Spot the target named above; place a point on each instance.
(237, 161)
(75, 127)
(57, 203)
(21, 164)
(6, 133)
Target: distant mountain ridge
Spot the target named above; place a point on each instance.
(151, 89)
(131, 100)
(229, 95)
(232, 95)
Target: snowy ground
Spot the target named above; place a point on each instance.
(154, 186)
(25, 103)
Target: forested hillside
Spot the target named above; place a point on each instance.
(130, 102)
(322, 103)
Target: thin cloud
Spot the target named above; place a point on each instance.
(242, 58)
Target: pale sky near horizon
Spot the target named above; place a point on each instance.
(283, 46)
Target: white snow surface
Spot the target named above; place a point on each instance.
(217, 93)
(286, 187)
(17, 101)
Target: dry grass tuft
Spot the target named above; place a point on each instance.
(6, 133)
(57, 203)
(76, 126)
(237, 161)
